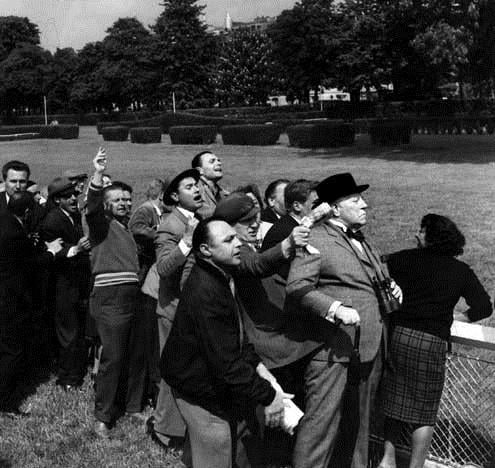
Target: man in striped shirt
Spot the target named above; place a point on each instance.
(115, 267)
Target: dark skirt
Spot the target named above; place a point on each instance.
(414, 377)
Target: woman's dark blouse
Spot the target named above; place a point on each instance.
(432, 284)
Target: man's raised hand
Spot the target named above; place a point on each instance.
(100, 160)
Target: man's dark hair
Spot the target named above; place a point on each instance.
(442, 235)
(272, 187)
(19, 202)
(118, 184)
(15, 166)
(196, 161)
(299, 191)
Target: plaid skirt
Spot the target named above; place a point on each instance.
(414, 377)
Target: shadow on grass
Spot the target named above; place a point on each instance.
(474, 149)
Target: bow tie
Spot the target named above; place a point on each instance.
(358, 235)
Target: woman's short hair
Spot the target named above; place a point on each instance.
(442, 235)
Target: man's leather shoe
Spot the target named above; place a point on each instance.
(150, 425)
(102, 429)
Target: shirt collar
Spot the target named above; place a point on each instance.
(338, 223)
(188, 214)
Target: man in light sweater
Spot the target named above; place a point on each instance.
(115, 267)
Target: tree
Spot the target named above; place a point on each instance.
(23, 77)
(87, 94)
(245, 71)
(16, 31)
(185, 53)
(60, 80)
(306, 41)
(127, 72)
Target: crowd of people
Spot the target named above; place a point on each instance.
(258, 328)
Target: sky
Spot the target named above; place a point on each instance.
(73, 23)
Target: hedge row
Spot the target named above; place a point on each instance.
(146, 135)
(321, 135)
(259, 135)
(17, 136)
(116, 133)
(65, 132)
(193, 135)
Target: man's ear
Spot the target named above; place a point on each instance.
(175, 197)
(296, 207)
(335, 210)
(205, 250)
(271, 202)
(200, 170)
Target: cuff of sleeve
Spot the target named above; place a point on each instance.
(72, 252)
(93, 186)
(184, 248)
(332, 311)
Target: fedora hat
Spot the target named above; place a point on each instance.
(174, 184)
(236, 208)
(338, 186)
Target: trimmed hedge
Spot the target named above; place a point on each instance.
(390, 132)
(146, 135)
(193, 134)
(255, 135)
(66, 132)
(117, 133)
(321, 135)
(21, 136)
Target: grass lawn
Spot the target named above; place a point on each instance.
(449, 175)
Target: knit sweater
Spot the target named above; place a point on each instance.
(114, 258)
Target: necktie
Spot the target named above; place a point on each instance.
(357, 235)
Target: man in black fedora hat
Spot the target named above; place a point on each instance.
(173, 245)
(71, 277)
(334, 285)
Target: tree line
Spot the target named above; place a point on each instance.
(417, 45)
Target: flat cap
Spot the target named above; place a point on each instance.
(236, 208)
(60, 185)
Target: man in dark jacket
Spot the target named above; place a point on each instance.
(216, 376)
(18, 256)
(71, 276)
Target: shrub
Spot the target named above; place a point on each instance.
(170, 119)
(321, 135)
(193, 134)
(65, 132)
(16, 129)
(45, 131)
(255, 135)
(17, 137)
(390, 132)
(146, 135)
(117, 133)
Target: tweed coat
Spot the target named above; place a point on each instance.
(337, 272)
(170, 262)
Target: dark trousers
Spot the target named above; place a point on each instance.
(120, 379)
(14, 329)
(168, 419)
(71, 297)
(149, 331)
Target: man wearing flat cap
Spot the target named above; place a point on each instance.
(173, 245)
(71, 275)
(333, 286)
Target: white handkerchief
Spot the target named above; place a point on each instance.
(292, 415)
(312, 250)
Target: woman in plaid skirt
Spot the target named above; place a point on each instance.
(432, 280)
